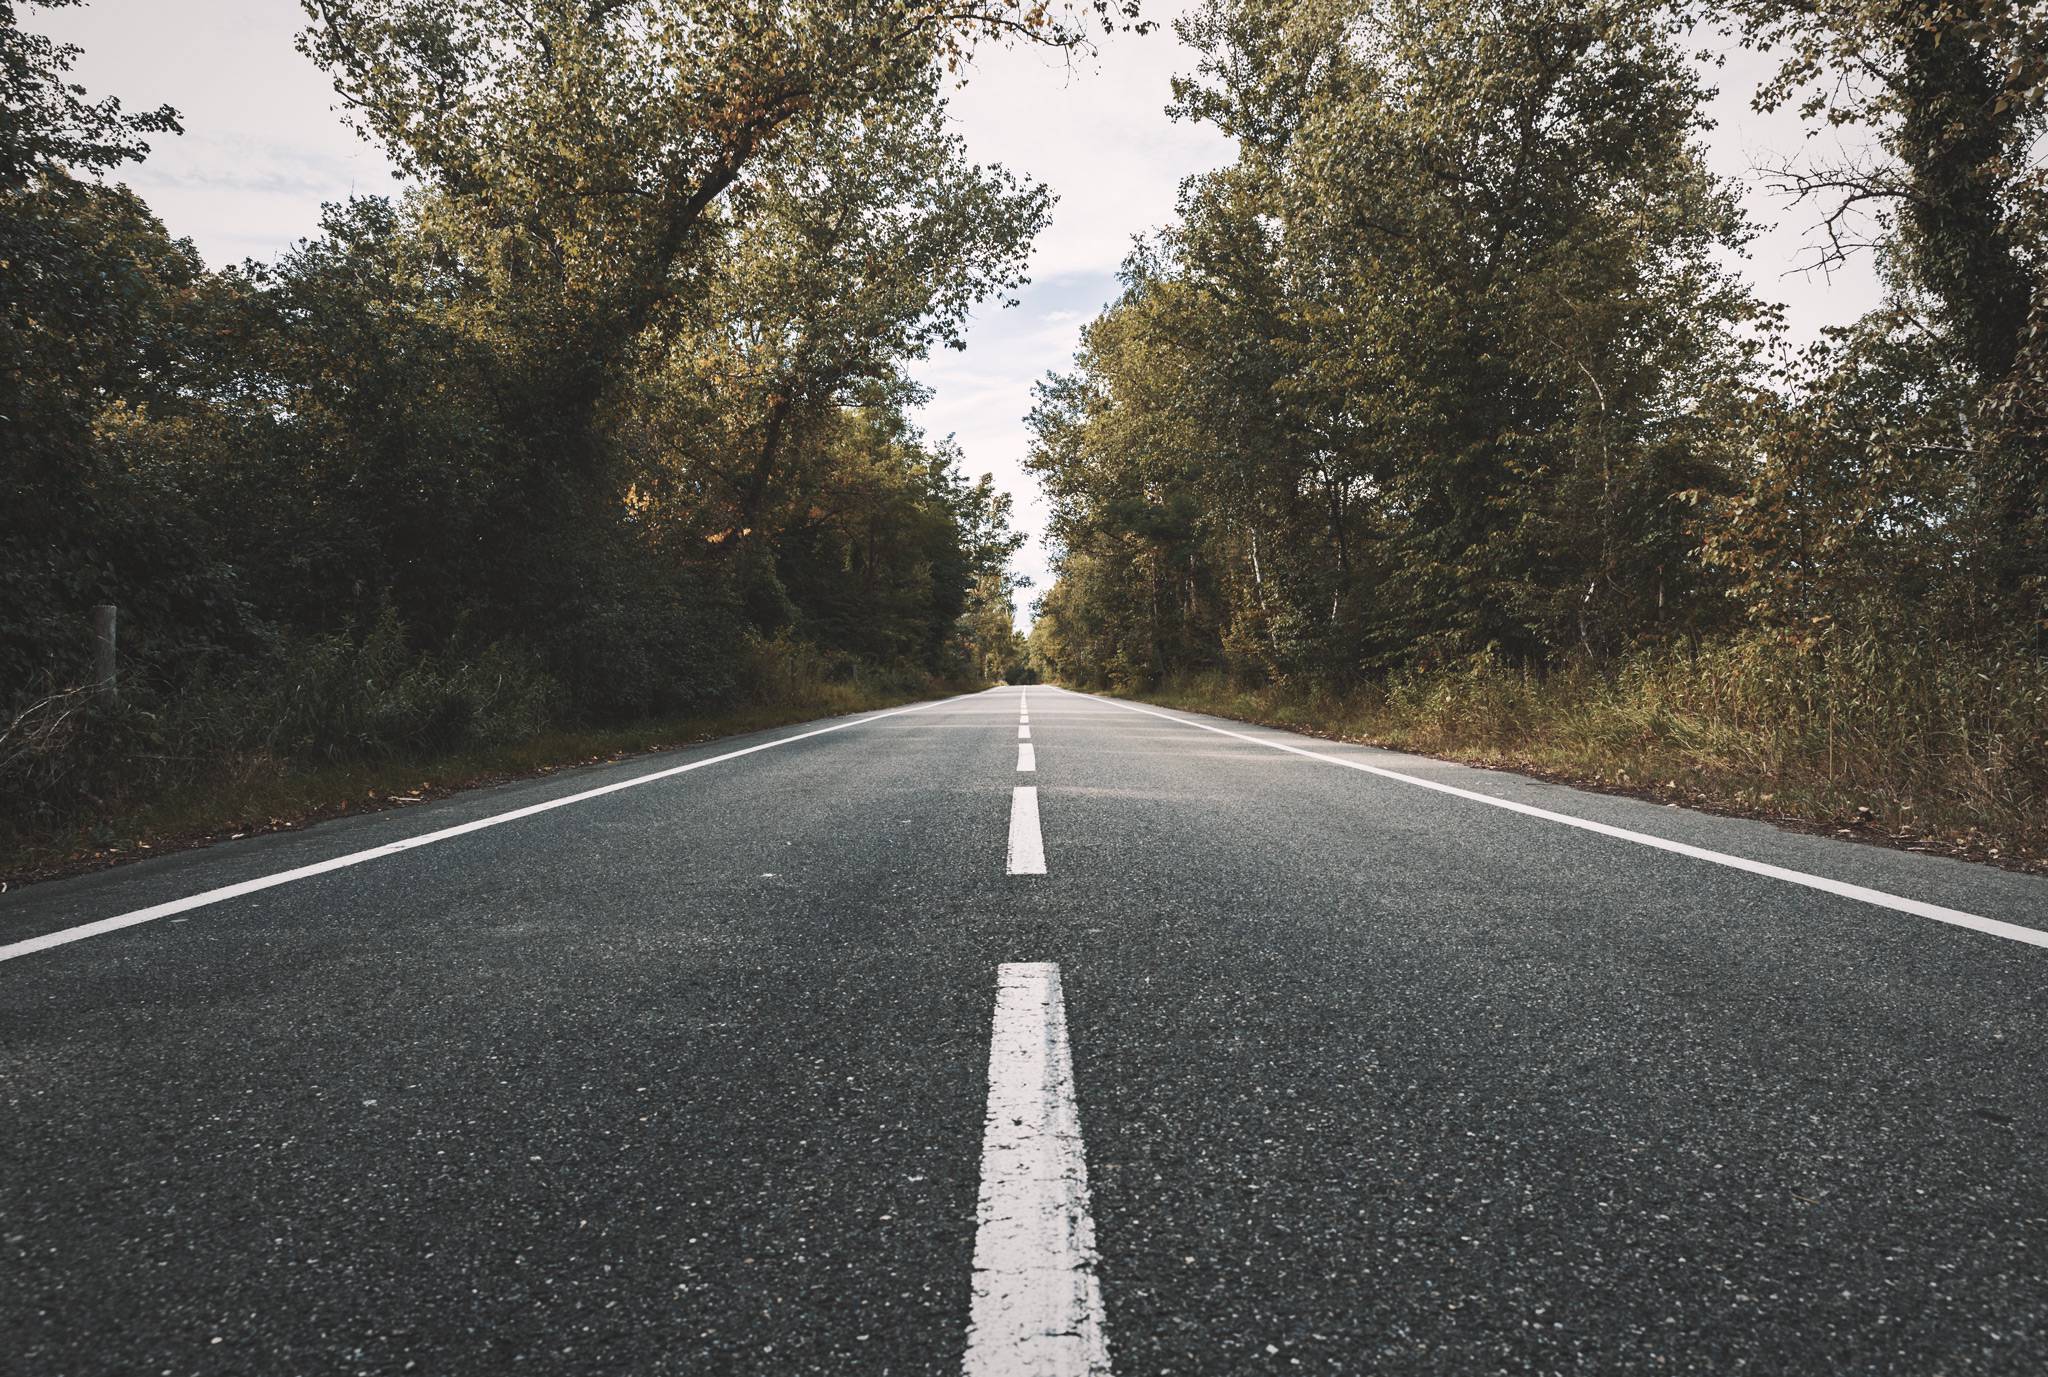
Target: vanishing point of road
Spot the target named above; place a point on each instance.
(1019, 1034)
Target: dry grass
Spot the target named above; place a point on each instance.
(1887, 739)
(250, 791)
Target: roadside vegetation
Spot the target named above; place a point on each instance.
(1440, 417)
(595, 431)
(1871, 739)
(245, 764)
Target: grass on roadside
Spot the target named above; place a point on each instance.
(1915, 744)
(240, 791)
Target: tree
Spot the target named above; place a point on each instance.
(576, 146)
(1957, 95)
(1431, 369)
(855, 249)
(1957, 98)
(588, 166)
(615, 384)
(94, 292)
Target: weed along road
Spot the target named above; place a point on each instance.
(1026, 1033)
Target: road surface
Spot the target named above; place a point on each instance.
(1026, 1033)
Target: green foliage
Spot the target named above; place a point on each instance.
(1447, 369)
(610, 400)
(317, 700)
(1435, 422)
(1427, 372)
(48, 129)
(1956, 208)
(577, 159)
(1885, 735)
(95, 296)
(339, 697)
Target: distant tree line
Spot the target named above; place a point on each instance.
(1452, 363)
(612, 392)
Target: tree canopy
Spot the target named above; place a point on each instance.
(610, 395)
(1452, 361)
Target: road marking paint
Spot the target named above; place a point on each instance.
(28, 946)
(1037, 1306)
(1024, 720)
(1023, 732)
(1027, 847)
(1993, 927)
(1027, 758)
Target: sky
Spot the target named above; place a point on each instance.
(264, 148)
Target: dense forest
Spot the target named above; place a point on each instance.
(604, 417)
(1445, 410)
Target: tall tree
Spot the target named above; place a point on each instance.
(859, 246)
(1430, 369)
(576, 146)
(93, 289)
(1956, 97)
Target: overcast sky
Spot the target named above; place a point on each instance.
(263, 148)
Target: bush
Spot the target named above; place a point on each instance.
(628, 639)
(783, 669)
(1915, 736)
(314, 701)
(218, 745)
(334, 698)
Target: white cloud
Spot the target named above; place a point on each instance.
(1095, 130)
(263, 147)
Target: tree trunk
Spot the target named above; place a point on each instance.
(754, 497)
(1953, 138)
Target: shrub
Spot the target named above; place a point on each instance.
(314, 701)
(1913, 735)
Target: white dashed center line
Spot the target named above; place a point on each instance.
(1027, 848)
(1037, 1307)
(1024, 733)
(1026, 758)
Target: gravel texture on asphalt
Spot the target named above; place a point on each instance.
(689, 1078)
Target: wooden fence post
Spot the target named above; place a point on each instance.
(105, 665)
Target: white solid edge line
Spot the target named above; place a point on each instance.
(1027, 758)
(1027, 847)
(1037, 1300)
(1993, 927)
(30, 945)
(1023, 732)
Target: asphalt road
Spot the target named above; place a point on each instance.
(691, 1076)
